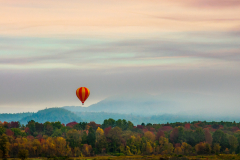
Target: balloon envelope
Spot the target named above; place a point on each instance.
(82, 94)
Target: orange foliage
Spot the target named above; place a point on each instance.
(187, 126)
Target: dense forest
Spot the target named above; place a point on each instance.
(121, 137)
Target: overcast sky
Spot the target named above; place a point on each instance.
(48, 49)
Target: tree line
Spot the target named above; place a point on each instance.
(121, 137)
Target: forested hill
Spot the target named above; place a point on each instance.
(65, 116)
(8, 117)
(99, 117)
(52, 115)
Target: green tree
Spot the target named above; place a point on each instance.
(101, 145)
(57, 133)
(17, 132)
(221, 138)
(190, 138)
(199, 135)
(114, 137)
(91, 137)
(2, 130)
(181, 135)
(84, 138)
(31, 126)
(108, 122)
(49, 130)
(56, 125)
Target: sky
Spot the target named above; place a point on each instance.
(48, 49)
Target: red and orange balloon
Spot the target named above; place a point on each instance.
(82, 94)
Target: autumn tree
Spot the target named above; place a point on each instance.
(114, 137)
(160, 134)
(36, 146)
(73, 137)
(99, 133)
(208, 137)
(216, 148)
(9, 132)
(186, 148)
(14, 124)
(4, 146)
(128, 151)
(149, 148)
(23, 154)
(106, 130)
(178, 150)
(165, 146)
(174, 135)
(149, 136)
(77, 152)
(61, 146)
(203, 148)
(233, 142)
(86, 149)
(93, 125)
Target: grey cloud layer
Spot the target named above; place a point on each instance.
(223, 46)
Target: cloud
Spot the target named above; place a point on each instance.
(117, 53)
(211, 3)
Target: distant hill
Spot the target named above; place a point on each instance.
(137, 108)
(52, 115)
(138, 104)
(64, 116)
(179, 103)
(99, 117)
(8, 117)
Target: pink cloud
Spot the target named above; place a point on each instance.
(211, 3)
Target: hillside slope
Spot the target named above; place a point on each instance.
(8, 117)
(52, 115)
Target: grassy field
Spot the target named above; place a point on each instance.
(154, 157)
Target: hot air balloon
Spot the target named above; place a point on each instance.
(82, 94)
